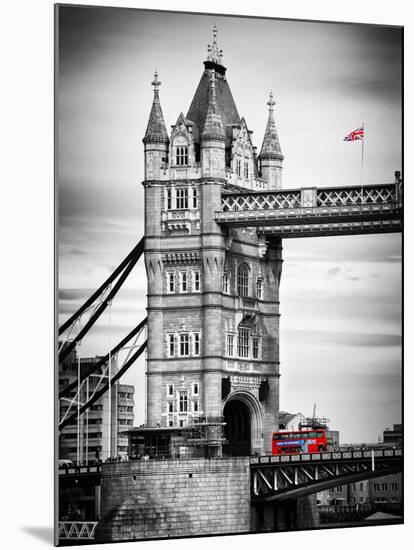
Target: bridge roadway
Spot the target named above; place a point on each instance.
(276, 478)
(288, 476)
(272, 478)
(313, 211)
(91, 472)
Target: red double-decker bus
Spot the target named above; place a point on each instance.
(313, 441)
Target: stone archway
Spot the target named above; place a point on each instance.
(243, 429)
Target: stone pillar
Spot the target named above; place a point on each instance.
(156, 155)
(271, 324)
(97, 502)
(272, 167)
(213, 263)
(307, 515)
(153, 265)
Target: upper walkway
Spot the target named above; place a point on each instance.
(313, 211)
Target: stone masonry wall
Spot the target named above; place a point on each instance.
(173, 498)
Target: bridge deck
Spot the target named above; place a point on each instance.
(291, 476)
(323, 457)
(316, 211)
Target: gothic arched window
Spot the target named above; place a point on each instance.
(243, 280)
(181, 155)
(183, 401)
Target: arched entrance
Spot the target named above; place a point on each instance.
(244, 424)
(237, 430)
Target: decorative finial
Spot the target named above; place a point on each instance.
(271, 102)
(156, 83)
(213, 84)
(213, 78)
(214, 54)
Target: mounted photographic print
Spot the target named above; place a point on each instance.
(229, 224)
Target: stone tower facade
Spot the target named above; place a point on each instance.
(213, 294)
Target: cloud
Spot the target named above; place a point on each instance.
(385, 248)
(126, 300)
(96, 224)
(342, 339)
(373, 68)
(392, 259)
(333, 253)
(74, 294)
(77, 252)
(373, 86)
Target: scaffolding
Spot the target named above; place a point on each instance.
(205, 432)
(202, 437)
(314, 423)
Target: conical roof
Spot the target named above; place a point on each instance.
(225, 105)
(271, 146)
(156, 129)
(213, 125)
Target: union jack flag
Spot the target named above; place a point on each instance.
(355, 135)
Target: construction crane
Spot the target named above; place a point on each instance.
(314, 423)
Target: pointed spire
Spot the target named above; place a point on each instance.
(213, 127)
(271, 146)
(156, 129)
(271, 102)
(156, 83)
(214, 54)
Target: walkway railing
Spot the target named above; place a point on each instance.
(321, 457)
(330, 210)
(76, 470)
(311, 197)
(77, 530)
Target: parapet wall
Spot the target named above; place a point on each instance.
(174, 498)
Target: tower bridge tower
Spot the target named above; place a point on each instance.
(213, 293)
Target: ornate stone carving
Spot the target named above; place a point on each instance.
(262, 245)
(180, 258)
(250, 383)
(246, 367)
(308, 197)
(180, 220)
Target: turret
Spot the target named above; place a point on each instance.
(213, 138)
(156, 138)
(271, 158)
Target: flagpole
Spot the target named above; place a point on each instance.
(362, 154)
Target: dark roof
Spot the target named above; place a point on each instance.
(156, 129)
(225, 103)
(284, 418)
(271, 146)
(213, 126)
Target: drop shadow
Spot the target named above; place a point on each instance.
(44, 534)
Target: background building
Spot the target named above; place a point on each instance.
(393, 436)
(290, 421)
(385, 490)
(101, 427)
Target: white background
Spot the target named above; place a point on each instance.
(26, 495)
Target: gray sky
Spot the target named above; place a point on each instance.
(340, 296)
